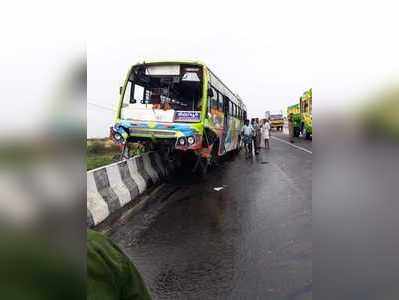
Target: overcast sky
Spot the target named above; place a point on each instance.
(268, 52)
(262, 57)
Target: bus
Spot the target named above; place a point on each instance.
(179, 106)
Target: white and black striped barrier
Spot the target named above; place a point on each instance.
(111, 187)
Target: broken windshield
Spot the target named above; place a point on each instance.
(177, 87)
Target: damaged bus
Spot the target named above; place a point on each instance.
(179, 107)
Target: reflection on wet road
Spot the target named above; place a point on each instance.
(250, 240)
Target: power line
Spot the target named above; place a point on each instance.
(101, 106)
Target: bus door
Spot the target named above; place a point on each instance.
(225, 122)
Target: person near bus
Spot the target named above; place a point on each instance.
(110, 273)
(247, 132)
(258, 135)
(265, 133)
(254, 136)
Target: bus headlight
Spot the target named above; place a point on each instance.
(117, 136)
(182, 141)
(190, 140)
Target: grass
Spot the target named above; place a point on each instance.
(100, 152)
(96, 161)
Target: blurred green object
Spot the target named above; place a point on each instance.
(34, 268)
(110, 273)
(381, 117)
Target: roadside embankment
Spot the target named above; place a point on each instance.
(110, 188)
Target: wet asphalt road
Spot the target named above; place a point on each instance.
(250, 240)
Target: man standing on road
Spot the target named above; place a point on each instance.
(247, 133)
(258, 135)
(255, 127)
(265, 132)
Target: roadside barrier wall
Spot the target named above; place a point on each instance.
(112, 187)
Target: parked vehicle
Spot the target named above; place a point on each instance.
(302, 115)
(305, 103)
(277, 121)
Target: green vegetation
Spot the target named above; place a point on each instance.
(101, 152)
(297, 119)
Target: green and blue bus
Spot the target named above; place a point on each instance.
(180, 105)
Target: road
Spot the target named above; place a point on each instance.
(252, 239)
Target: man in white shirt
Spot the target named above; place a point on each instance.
(265, 132)
(247, 133)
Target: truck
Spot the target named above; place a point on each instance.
(277, 121)
(305, 105)
(301, 114)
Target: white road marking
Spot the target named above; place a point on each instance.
(291, 144)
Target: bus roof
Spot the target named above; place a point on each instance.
(167, 62)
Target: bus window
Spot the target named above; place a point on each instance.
(214, 99)
(127, 96)
(225, 105)
(133, 93)
(175, 87)
(230, 107)
(138, 92)
(220, 102)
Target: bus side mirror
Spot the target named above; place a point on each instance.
(120, 90)
(210, 93)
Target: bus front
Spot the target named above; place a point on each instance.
(162, 103)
